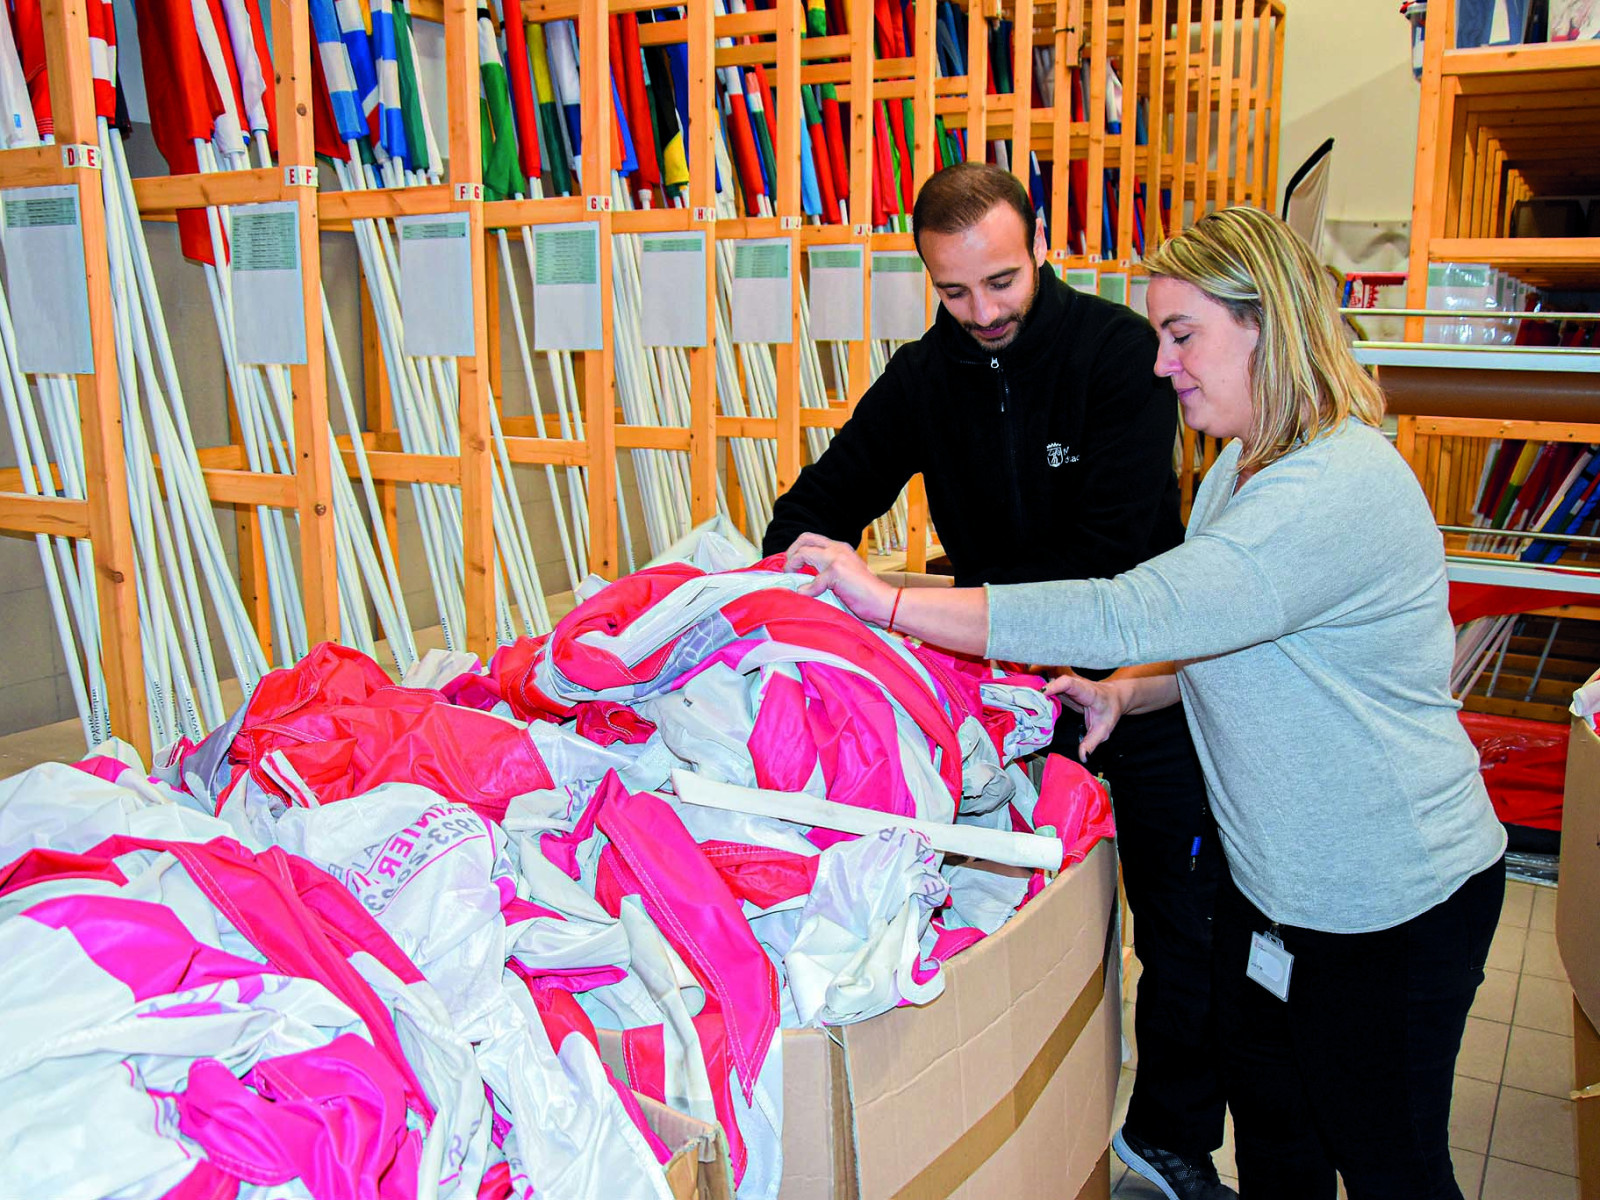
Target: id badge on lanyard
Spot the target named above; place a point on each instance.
(1270, 964)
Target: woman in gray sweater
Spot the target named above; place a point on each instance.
(1303, 626)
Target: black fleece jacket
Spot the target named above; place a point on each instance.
(1050, 459)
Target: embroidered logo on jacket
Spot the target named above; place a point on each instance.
(1059, 455)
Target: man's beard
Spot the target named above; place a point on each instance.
(1014, 320)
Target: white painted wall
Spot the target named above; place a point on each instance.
(1347, 75)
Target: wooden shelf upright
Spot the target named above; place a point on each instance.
(102, 514)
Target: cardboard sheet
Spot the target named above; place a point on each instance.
(1578, 894)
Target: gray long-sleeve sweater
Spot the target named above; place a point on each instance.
(1308, 614)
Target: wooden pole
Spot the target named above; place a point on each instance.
(1022, 88)
(66, 34)
(599, 371)
(862, 103)
(1181, 91)
(1094, 208)
(1156, 125)
(786, 128)
(1432, 158)
(701, 144)
(1127, 179)
(477, 466)
(308, 381)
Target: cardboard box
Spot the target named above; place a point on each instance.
(699, 1168)
(1578, 892)
(1003, 1086)
(1586, 1089)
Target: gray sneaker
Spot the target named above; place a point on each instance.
(1177, 1177)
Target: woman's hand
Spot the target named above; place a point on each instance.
(1102, 704)
(840, 569)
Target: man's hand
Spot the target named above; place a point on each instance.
(1102, 704)
(840, 570)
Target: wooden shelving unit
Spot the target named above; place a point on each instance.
(1499, 125)
(1208, 74)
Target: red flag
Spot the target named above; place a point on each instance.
(30, 47)
(882, 167)
(897, 122)
(836, 154)
(744, 153)
(633, 93)
(523, 110)
(184, 102)
(890, 33)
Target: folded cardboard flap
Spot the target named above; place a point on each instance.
(699, 1167)
(1578, 893)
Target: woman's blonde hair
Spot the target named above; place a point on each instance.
(1303, 378)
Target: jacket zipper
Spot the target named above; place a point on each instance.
(1011, 442)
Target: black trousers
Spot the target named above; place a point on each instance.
(1354, 1072)
(1159, 798)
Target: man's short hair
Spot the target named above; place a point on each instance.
(961, 195)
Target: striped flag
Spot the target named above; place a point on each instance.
(357, 39)
(561, 41)
(337, 72)
(390, 127)
(103, 57)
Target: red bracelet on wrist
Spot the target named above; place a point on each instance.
(898, 592)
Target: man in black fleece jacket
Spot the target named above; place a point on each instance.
(1045, 440)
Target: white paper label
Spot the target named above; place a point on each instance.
(566, 287)
(45, 279)
(269, 317)
(899, 312)
(436, 285)
(763, 290)
(672, 276)
(838, 286)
